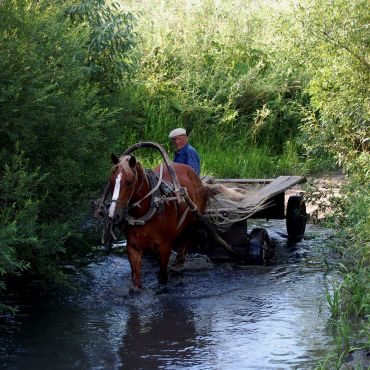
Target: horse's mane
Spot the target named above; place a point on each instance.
(123, 166)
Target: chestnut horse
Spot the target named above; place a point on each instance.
(130, 185)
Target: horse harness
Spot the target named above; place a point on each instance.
(160, 193)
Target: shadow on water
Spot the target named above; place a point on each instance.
(210, 316)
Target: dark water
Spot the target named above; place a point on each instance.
(210, 316)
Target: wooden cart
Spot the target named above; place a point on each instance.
(269, 200)
(254, 247)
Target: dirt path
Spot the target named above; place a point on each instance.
(321, 189)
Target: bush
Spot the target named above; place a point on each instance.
(331, 44)
(19, 206)
(58, 116)
(204, 67)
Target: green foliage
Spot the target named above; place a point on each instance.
(26, 242)
(351, 219)
(333, 300)
(45, 96)
(58, 116)
(351, 297)
(18, 215)
(251, 163)
(196, 73)
(111, 40)
(332, 43)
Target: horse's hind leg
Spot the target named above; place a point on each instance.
(164, 256)
(134, 256)
(181, 243)
(181, 254)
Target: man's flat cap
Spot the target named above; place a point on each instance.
(177, 132)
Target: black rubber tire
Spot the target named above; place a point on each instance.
(258, 241)
(296, 218)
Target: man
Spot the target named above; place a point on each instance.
(185, 153)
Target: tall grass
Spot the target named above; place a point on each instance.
(205, 67)
(350, 301)
(253, 162)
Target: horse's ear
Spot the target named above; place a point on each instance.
(132, 161)
(115, 159)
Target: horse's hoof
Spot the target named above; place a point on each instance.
(134, 291)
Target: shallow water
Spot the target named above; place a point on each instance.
(210, 316)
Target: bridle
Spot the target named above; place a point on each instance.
(115, 197)
(180, 196)
(151, 191)
(101, 206)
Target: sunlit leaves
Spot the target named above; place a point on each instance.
(112, 40)
(333, 45)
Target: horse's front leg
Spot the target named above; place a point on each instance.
(134, 256)
(164, 256)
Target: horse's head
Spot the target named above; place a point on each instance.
(123, 181)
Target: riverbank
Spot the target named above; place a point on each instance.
(349, 299)
(337, 202)
(319, 192)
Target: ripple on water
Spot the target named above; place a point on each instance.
(210, 316)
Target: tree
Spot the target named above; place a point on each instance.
(332, 43)
(111, 43)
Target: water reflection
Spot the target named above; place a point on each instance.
(165, 340)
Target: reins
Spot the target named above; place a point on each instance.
(152, 191)
(181, 196)
(167, 161)
(102, 204)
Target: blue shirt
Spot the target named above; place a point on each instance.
(188, 155)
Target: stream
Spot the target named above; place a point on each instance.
(209, 316)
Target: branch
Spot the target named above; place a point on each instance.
(345, 47)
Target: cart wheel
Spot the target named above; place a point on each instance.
(258, 243)
(296, 218)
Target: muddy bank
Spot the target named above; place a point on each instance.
(318, 192)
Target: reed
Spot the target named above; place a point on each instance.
(333, 299)
(349, 301)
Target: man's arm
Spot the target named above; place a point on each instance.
(193, 161)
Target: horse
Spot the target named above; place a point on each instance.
(169, 224)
